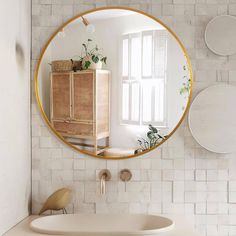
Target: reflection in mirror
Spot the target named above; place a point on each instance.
(114, 83)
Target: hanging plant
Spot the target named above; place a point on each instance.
(186, 85)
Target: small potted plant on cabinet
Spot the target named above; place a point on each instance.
(92, 58)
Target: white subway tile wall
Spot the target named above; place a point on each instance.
(179, 177)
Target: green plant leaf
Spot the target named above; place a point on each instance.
(95, 58)
(153, 129)
(87, 65)
(183, 90)
(150, 135)
(104, 59)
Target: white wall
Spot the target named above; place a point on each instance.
(108, 35)
(15, 161)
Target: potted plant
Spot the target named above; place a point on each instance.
(92, 58)
(153, 138)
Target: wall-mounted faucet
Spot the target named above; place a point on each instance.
(104, 175)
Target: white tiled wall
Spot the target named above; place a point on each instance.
(179, 177)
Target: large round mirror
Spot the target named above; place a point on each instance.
(113, 83)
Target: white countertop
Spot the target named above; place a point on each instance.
(181, 228)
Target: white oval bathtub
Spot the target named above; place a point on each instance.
(102, 224)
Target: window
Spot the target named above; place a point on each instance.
(144, 78)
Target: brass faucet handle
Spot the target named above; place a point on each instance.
(125, 175)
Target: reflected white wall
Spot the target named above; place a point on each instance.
(44, 80)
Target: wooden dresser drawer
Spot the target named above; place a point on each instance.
(72, 128)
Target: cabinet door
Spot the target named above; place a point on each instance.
(83, 96)
(103, 101)
(60, 96)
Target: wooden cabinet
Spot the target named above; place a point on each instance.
(80, 107)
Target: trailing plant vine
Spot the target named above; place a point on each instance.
(186, 85)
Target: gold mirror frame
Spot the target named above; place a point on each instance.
(67, 23)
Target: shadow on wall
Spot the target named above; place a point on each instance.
(20, 58)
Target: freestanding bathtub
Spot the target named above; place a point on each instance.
(102, 224)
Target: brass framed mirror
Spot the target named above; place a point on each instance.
(113, 83)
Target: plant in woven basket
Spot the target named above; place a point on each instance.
(91, 56)
(153, 138)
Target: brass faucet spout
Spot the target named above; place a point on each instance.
(104, 176)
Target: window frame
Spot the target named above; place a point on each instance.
(141, 79)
